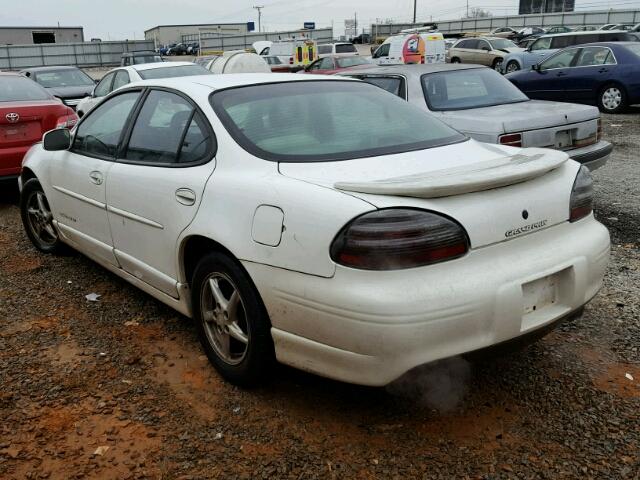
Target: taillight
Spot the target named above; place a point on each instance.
(511, 139)
(67, 121)
(397, 238)
(290, 60)
(581, 203)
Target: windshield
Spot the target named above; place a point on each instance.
(307, 121)
(169, 72)
(499, 43)
(473, 88)
(20, 89)
(351, 61)
(62, 78)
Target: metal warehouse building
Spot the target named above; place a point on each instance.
(30, 35)
(165, 34)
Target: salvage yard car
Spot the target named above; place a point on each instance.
(69, 84)
(487, 51)
(27, 110)
(603, 74)
(412, 242)
(124, 75)
(481, 103)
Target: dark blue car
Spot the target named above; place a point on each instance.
(605, 74)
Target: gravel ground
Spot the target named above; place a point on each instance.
(120, 389)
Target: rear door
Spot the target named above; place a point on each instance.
(79, 175)
(592, 68)
(155, 188)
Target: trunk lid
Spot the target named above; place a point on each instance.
(23, 123)
(487, 188)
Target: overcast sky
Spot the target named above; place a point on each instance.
(120, 19)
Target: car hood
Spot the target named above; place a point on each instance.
(511, 50)
(71, 92)
(485, 187)
(518, 117)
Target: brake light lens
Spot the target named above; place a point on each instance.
(398, 238)
(67, 121)
(581, 203)
(290, 60)
(511, 139)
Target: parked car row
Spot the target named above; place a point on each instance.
(413, 243)
(180, 49)
(513, 34)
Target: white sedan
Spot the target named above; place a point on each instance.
(119, 77)
(318, 221)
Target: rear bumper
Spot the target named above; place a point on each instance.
(11, 160)
(371, 327)
(594, 156)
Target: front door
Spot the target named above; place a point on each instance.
(550, 80)
(155, 187)
(79, 176)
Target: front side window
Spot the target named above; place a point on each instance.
(543, 43)
(561, 60)
(122, 79)
(104, 87)
(472, 44)
(482, 45)
(160, 132)
(346, 62)
(170, 72)
(100, 131)
(393, 85)
(326, 64)
(591, 56)
(472, 88)
(325, 121)
(382, 51)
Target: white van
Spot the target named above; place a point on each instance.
(297, 52)
(411, 48)
(337, 49)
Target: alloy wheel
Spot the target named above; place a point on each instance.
(512, 67)
(40, 219)
(224, 318)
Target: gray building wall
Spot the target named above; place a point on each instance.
(24, 35)
(165, 34)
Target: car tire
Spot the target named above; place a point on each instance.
(455, 60)
(232, 322)
(512, 66)
(497, 63)
(37, 219)
(612, 98)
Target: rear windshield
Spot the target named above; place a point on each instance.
(307, 121)
(139, 59)
(20, 89)
(345, 62)
(169, 72)
(62, 78)
(346, 48)
(473, 88)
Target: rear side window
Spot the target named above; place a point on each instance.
(393, 85)
(472, 44)
(563, 41)
(461, 44)
(324, 49)
(100, 131)
(592, 56)
(20, 89)
(346, 48)
(167, 131)
(542, 44)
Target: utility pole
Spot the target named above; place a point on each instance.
(259, 8)
(415, 5)
(355, 24)
(467, 8)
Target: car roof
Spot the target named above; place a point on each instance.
(487, 37)
(413, 70)
(149, 66)
(218, 82)
(10, 74)
(50, 69)
(587, 32)
(140, 52)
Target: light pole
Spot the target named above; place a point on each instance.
(415, 4)
(259, 8)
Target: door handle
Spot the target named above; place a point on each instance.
(186, 196)
(561, 74)
(602, 70)
(96, 177)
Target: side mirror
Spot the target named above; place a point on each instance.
(56, 140)
(535, 67)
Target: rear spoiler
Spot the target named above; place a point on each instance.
(496, 173)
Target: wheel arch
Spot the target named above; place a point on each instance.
(26, 175)
(192, 249)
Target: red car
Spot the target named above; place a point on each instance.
(27, 111)
(331, 65)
